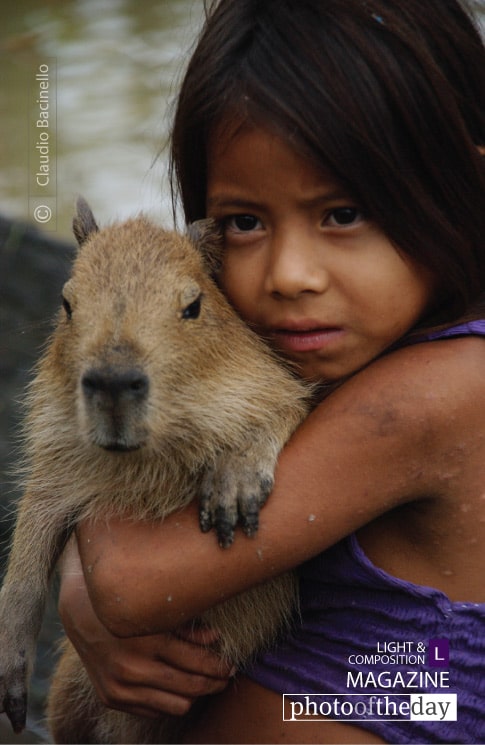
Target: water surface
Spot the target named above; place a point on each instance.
(106, 72)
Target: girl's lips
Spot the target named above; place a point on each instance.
(305, 340)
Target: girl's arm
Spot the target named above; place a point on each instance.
(372, 445)
(143, 675)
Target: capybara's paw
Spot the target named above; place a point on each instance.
(13, 686)
(233, 491)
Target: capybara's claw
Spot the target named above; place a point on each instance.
(205, 517)
(250, 517)
(15, 706)
(224, 527)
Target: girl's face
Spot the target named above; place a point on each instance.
(302, 264)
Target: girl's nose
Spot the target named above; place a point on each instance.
(295, 266)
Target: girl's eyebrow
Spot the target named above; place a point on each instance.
(225, 201)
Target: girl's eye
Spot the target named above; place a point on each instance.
(242, 223)
(342, 217)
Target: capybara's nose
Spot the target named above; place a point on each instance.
(129, 385)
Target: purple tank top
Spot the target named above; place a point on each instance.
(379, 652)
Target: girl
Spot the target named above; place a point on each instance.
(338, 145)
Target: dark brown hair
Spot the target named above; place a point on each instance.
(387, 95)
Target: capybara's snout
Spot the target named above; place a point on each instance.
(114, 404)
(113, 386)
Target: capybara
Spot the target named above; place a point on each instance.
(152, 392)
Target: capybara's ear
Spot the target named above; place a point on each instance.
(83, 223)
(206, 234)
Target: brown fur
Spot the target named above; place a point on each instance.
(151, 392)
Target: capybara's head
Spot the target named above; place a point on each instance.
(143, 328)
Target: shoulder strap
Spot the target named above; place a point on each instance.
(472, 328)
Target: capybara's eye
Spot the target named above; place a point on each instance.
(193, 309)
(67, 307)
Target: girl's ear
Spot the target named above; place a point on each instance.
(83, 223)
(206, 235)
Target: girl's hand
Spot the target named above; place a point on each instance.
(143, 675)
